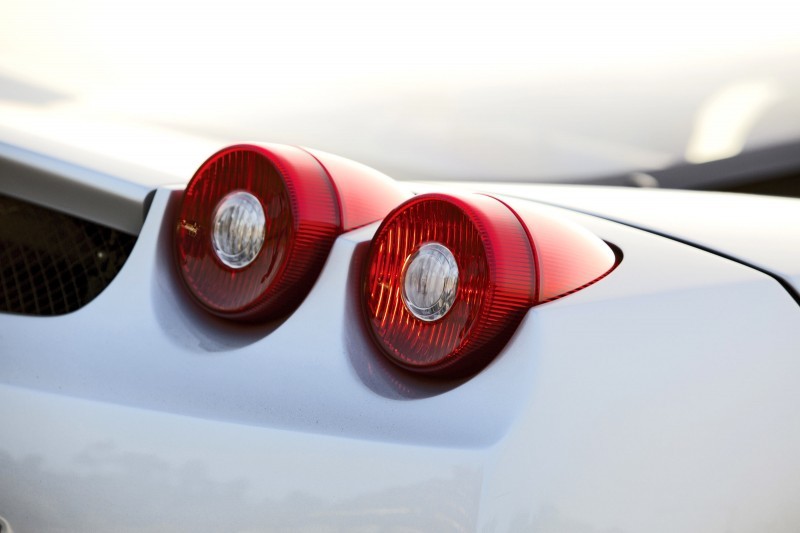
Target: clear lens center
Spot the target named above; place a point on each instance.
(238, 229)
(430, 281)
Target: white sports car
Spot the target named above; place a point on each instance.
(531, 331)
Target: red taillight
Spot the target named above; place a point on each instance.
(495, 282)
(257, 222)
(505, 261)
(568, 256)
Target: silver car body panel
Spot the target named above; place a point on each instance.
(663, 398)
(97, 168)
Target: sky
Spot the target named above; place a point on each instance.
(275, 68)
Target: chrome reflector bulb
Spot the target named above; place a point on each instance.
(430, 281)
(238, 229)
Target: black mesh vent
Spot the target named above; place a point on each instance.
(52, 263)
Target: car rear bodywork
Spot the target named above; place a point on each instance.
(662, 398)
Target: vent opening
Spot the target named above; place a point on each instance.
(52, 263)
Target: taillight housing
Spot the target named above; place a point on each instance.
(257, 222)
(473, 266)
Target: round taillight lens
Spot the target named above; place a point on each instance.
(238, 229)
(255, 226)
(430, 281)
(448, 278)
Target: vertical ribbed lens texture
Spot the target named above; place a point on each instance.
(254, 229)
(495, 286)
(238, 229)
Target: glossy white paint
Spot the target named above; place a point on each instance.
(83, 465)
(92, 166)
(663, 398)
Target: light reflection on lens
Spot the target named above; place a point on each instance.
(238, 229)
(430, 282)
